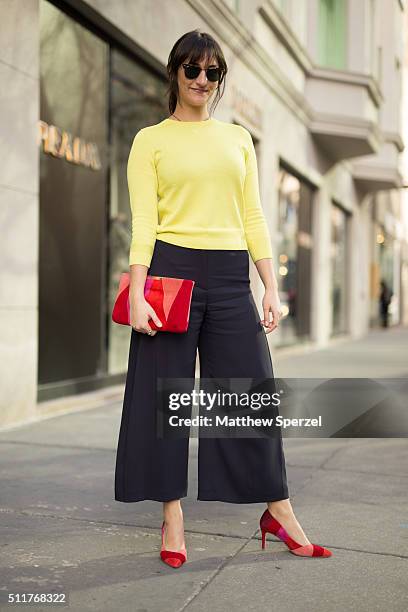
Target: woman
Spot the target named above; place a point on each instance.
(196, 214)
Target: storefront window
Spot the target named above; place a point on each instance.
(338, 254)
(294, 257)
(73, 182)
(137, 100)
(386, 260)
(384, 268)
(94, 99)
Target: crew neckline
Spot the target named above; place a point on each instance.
(195, 123)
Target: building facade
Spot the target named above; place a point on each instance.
(319, 86)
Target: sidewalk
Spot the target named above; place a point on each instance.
(62, 529)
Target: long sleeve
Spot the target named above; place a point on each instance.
(256, 229)
(143, 185)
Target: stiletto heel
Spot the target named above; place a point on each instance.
(173, 558)
(269, 524)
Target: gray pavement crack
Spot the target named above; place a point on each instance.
(54, 445)
(318, 467)
(246, 539)
(204, 584)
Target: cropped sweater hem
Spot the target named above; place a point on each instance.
(145, 257)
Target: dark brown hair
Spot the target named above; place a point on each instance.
(194, 46)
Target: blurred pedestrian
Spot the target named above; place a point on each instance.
(384, 303)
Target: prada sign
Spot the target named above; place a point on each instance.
(62, 144)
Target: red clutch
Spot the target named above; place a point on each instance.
(169, 297)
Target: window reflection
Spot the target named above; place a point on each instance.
(137, 100)
(294, 257)
(72, 219)
(338, 269)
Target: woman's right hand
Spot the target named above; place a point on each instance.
(140, 313)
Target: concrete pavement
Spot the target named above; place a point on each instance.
(62, 529)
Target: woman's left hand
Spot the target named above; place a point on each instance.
(271, 303)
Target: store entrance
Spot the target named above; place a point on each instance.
(94, 99)
(73, 202)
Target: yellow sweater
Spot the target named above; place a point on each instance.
(195, 184)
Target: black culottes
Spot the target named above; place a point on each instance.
(225, 327)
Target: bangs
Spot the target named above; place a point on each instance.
(205, 53)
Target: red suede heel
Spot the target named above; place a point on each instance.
(269, 524)
(173, 558)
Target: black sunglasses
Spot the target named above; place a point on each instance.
(191, 71)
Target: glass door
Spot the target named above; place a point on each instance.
(137, 99)
(73, 190)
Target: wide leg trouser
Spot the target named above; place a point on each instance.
(225, 328)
